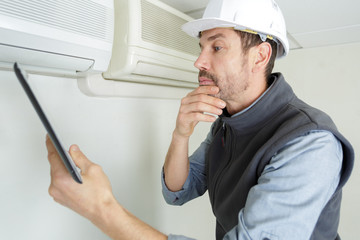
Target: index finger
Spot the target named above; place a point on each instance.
(53, 156)
(205, 94)
(209, 90)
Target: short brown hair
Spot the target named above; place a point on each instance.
(249, 40)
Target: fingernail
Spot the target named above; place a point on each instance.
(74, 148)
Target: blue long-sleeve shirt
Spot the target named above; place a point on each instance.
(290, 194)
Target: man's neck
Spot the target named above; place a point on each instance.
(248, 98)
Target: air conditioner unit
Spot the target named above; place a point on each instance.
(72, 35)
(150, 47)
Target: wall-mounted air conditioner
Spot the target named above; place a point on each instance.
(73, 35)
(150, 47)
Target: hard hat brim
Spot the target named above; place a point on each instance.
(195, 27)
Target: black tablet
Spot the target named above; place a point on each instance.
(65, 156)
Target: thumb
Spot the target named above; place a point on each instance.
(79, 158)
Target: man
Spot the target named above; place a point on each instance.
(274, 166)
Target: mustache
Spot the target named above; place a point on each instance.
(203, 73)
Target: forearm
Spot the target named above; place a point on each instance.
(118, 223)
(176, 167)
(192, 111)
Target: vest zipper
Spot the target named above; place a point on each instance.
(226, 141)
(223, 135)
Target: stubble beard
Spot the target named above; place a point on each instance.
(227, 91)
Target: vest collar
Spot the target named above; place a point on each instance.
(275, 98)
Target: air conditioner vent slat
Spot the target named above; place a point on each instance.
(58, 14)
(163, 28)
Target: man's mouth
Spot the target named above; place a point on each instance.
(203, 81)
(206, 79)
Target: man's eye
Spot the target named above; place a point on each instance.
(217, 48)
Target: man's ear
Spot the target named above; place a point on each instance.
(263, 54)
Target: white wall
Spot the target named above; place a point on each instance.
(129, 137)
(328, 78)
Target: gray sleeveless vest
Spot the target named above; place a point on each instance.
(242, 146)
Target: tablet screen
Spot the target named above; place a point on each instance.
(65, 156)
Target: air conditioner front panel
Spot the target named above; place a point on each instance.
(10, 54)
(164, 67)
(175, 77)
(149, 43)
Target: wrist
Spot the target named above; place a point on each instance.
(116, 222)
(104, 210)
(178, 137)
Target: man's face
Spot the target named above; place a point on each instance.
(222, 63)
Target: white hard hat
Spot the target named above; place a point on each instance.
(262, 17)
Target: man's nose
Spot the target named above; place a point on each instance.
(202, 63)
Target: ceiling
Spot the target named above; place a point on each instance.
(309, 23)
